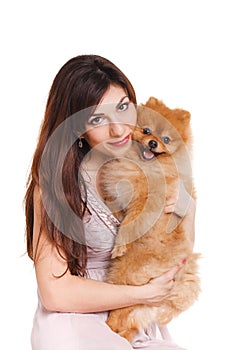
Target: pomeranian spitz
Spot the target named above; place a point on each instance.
(149, 241)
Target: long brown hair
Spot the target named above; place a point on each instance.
(78, 85)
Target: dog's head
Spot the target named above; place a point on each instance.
(150, 145)
(171, 127)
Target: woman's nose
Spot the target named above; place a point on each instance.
(116, 129)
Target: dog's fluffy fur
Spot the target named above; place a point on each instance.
(149, 241)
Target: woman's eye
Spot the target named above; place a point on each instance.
(166, 139)
(95, 120)
(123, 106)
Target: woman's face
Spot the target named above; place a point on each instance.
(109, 128)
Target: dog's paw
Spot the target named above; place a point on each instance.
(118, 251)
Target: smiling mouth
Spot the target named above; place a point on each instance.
(121, 142)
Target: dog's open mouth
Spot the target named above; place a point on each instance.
(147, 154)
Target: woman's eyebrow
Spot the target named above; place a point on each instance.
(97, 114)
(118, 104)
(121, 100)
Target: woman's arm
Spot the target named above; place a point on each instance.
(184, 206)
(76, 294)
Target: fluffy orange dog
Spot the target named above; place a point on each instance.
(149, 241)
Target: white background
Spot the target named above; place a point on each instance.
(180, 52)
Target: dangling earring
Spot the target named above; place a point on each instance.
(80, 143)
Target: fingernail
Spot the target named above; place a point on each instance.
(184, 261)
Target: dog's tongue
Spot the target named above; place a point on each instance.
(147, 154)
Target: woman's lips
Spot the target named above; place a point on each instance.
(121, 142)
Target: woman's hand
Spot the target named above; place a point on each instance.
(158, 288)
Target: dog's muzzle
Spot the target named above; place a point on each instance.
(149, 153)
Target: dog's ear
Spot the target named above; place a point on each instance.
(171, 114)
(183, 115)
(152, 101)
(157, 105)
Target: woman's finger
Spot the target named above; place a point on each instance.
(173, 271)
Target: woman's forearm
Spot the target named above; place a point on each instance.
(189, 221)
(69, 293)
(77, 294)
(183, 205)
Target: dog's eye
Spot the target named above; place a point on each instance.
(146, 131)
(166, 139)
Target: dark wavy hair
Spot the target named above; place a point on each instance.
(79, 84)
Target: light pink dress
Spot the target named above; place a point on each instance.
(75, 331)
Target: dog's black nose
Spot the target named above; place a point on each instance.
(153, 144)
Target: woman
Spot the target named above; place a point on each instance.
(90, 115)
